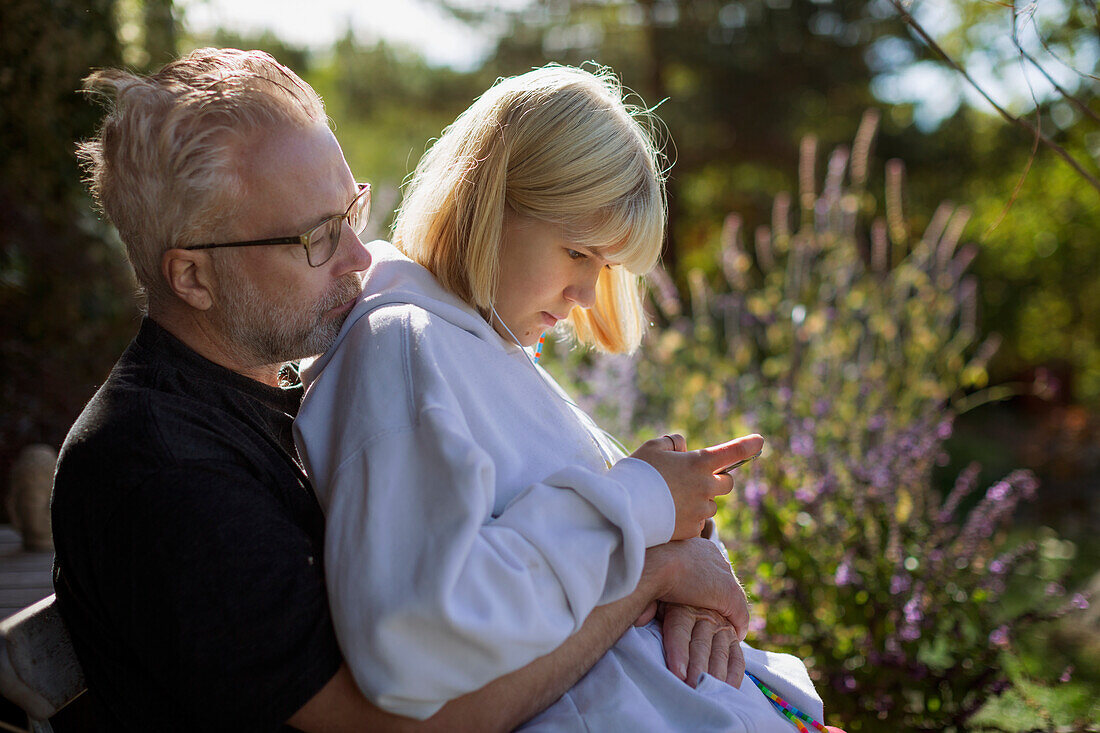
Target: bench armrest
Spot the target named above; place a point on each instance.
(39, 670)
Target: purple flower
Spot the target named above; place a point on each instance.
(754, 493)
(1005, 561)
(912, 611)
(1067, 674)
(827, 485)
(1047, 385)
(802, 445)
(999, 636)
(998, 491)
(899, 584)
(1055, 589)
(880, 477)
(845, 575)
(1029, 485)
(1079, 601)
(964, 484)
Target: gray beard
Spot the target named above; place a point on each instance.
(263, 333)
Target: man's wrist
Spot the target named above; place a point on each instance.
(659, 572)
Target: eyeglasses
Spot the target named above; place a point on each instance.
(321, 241)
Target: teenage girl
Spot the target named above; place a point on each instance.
(475, 515)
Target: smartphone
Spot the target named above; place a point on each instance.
(740, 463)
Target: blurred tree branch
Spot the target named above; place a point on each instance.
(1035, 130)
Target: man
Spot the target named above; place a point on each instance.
(189, 541)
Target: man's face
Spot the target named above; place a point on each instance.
(270, 304)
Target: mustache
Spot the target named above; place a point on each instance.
(347, 288)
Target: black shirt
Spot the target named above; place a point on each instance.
(189, 547)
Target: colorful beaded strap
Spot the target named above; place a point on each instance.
(538, 349)
(790, 712)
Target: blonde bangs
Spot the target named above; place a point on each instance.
(630, 233)
(560, 145)
(616, 322)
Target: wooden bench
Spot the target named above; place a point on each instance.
(39, 671)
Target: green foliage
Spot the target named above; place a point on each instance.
(293, 57)
(845, 345)
(44, 52)
(65, 289)
(743, 80)
(1040, 272)
(387, 103)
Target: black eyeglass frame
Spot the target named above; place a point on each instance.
(305, 238)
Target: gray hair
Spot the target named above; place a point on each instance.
(163, 166)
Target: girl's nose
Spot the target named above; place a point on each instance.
(582, 294)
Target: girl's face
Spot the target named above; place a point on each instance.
(543, 276)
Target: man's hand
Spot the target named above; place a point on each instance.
(693, 572)
(691, 478)
(699, 640)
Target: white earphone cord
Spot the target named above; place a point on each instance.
(571, 403)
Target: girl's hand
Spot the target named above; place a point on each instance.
(691, 478)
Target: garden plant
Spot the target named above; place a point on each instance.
(849, 343)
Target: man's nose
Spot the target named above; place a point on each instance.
(351, 253)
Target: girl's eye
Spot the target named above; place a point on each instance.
(575, 255)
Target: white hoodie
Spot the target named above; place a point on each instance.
(472, 520)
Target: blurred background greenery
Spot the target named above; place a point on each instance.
(740, 85)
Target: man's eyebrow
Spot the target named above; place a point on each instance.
(343, 209)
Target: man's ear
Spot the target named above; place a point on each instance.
(190, 275)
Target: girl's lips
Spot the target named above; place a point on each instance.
(549, 320)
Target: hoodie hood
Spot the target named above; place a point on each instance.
(393, 278)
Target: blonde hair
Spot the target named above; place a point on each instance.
(163, 165)
(557, 144)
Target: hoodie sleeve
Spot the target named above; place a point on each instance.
(432, 596)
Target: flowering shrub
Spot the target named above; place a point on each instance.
(845, 346)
